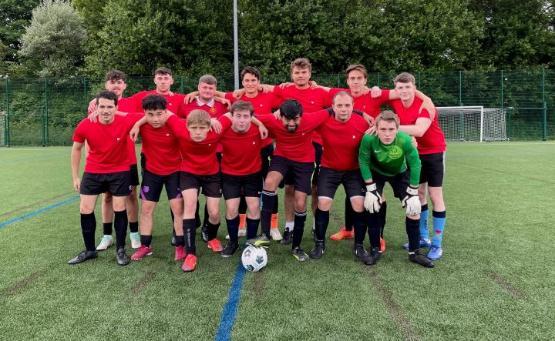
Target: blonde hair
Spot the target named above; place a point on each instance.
(199, 117)
(388, 116)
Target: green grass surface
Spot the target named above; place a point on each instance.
(496, 280)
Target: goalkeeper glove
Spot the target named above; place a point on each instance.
(411, 201)
(373, 199)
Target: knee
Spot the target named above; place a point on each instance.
(357, 205)
(86, 209)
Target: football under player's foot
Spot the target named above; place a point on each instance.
(121, 257)
(275, 235)
(135, 239)
(230, 249)
(342, 234)
(82, 257)
(318, 251)
(423, 243)
(260, 241)
(215, 245)
(141, 253)
(419, 257)
(287, 237)
(382, 245)
(105, 242)
(299, 254)
(190, 263)
(435, 252)
(179, 252)
(362, 255)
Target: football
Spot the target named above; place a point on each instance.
(254, 258)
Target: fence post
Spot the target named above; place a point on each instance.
(45, 114)
(502, 89)
(544, 105)
(460, 89)
(181, 85)
(85, 95)
(7, 119)
(379, 80)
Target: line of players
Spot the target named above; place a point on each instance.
(296, 137)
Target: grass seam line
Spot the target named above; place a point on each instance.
(229, 312)
(37, 212)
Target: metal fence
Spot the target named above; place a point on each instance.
(45, 111)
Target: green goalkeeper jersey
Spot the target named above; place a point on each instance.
(389, 160)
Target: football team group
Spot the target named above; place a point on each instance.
(246, 144)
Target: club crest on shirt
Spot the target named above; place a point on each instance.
(395, 152)
(213, 110)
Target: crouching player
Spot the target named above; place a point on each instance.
(161, 162)
(341, 135)
(391, 157)
(241, 173)
(106, 170)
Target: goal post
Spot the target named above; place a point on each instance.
(473, 123)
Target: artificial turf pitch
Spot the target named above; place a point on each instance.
(495, 281)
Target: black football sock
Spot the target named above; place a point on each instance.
(322, 219)
(300, 218)
(233, 229)
(88, 227)
(120, 225)
(146, 240)
(413, 232)
(189, 227)
(252, 227)
(134, 227)
(107, 228)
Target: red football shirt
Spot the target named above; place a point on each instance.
(215, 108)
(197, 158)
(174, 100)
(241, 151)
(295, 146)
(433, 140)
(263, 104)
(108, 143)
(341, 141)
(365, 103)
(160, 149)
(312, 100)
(127, 105)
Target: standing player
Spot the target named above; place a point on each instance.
(161, 162)
(241, 173)
(293, 158)
(115, 82)
(391, 157)
(425, 128)
(106, 170)
(341, 136)
(163, 80)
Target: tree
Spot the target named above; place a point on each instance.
(53, 44)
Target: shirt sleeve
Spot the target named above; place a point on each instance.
(79, 133)
(226, 123)
(313, 120)
(364, 159)
(413, 161)
(177, 126)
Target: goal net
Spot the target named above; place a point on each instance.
(473, 123)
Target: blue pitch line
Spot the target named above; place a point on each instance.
(227, 319)
(37, 212)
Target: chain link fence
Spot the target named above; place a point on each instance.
(44, 112)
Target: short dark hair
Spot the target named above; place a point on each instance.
(163, 71)
(107, 95)
(301, 63)
(290, 109)
(154, 102)
(115, 75)
(251, 70)
(356, 67)
(241, 105)
(388, 116)
(404, 77)
(208, 79)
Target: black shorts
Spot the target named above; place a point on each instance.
(151, 188)
(318, 150)
(210, 184)
(134, 175)
(433, 168)
(236, 186)
(117, 184)
(266, 154)
(330, 179)
(399, 183)
(294, 173)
